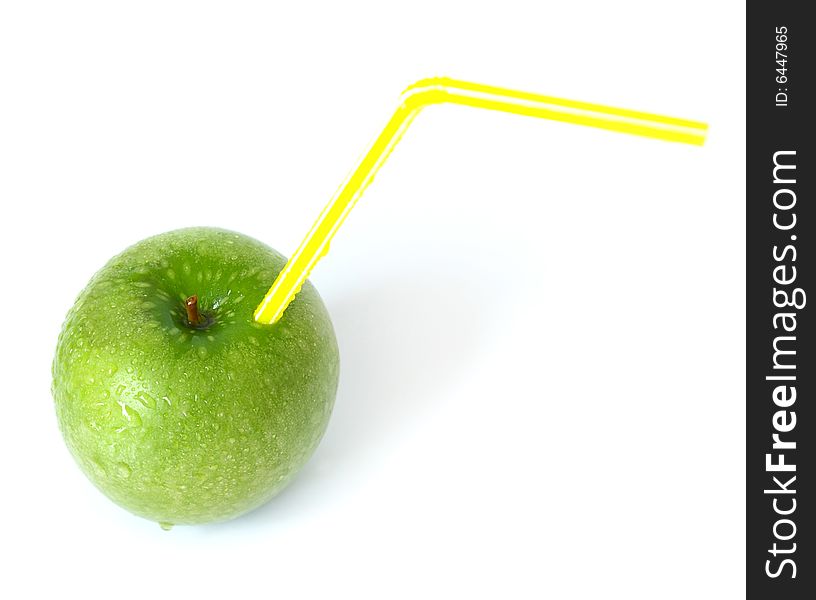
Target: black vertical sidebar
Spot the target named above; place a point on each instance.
(781, 364)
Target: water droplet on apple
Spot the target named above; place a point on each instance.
(125, 412)
(146, 399)
(202, 351)
(97, 468)
(135, 418)
(166, 526)
(123, 470)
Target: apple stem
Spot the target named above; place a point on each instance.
(193, 316)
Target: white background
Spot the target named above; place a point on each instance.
(541, 326)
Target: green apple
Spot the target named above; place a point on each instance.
(172, 399)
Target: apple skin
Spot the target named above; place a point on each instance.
(186, 425)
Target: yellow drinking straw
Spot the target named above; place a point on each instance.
(439, 90)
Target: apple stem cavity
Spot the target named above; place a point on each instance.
(193, 316)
